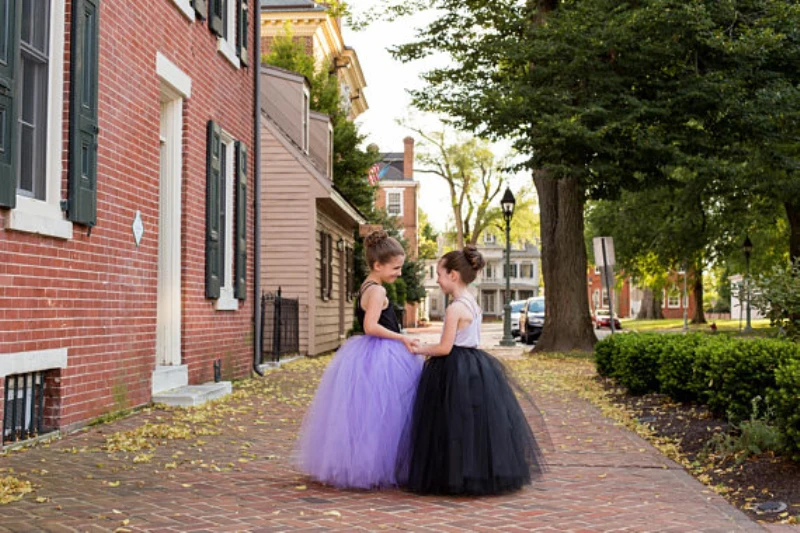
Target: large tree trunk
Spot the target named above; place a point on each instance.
(793, 214)
(567, 325)
(699, 316)
(651, 306)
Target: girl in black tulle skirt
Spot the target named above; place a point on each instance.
(469, 434)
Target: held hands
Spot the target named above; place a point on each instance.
(410, 344)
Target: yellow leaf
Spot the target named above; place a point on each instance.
(114, 484)
(337, 514)
(41, 499)
(300, 487)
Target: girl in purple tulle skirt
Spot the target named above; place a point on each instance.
(356, 433)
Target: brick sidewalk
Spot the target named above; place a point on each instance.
(602, 477)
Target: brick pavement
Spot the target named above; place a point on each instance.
(233, 473)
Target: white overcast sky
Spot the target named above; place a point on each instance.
(388, 82)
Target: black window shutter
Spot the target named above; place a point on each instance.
(243, 32)
(330, 266)
(83, 127)
(200, 8)
(215, 8)
(323, 269)
(214, 252)
(9, 56)
(240, 261)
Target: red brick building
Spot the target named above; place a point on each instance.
(398, 193)
(126, 250)
(628, 297)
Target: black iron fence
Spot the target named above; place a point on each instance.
(280, 326)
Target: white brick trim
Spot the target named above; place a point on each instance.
(186, 8)
(34, 361)
(177, 79)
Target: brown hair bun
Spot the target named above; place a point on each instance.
(379, 247)
(374, 238)
(473, 257)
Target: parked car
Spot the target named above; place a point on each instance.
(531, 319)
(516, 307)
(602, 319)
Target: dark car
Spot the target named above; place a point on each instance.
(531, 319)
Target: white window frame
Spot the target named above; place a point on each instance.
(305, 109)
(185, 7)
(330, 150)
(227, 300)
(227, 46)
(490, 238)
(669, 299)
(45, 217)
(389, 192)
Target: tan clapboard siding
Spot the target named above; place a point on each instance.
(327, 316)
(286, 228)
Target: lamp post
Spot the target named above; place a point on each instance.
(685, 299)
(747, 246)
(507, 203)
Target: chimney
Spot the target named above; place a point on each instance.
(408, 158)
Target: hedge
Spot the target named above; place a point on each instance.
(726, 373)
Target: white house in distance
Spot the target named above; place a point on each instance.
(490, 285)
(739, 299)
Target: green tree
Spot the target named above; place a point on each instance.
(428, 237)
(605, 96)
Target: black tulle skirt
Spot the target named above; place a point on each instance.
(469, 434)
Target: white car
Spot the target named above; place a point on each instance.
(516, 307)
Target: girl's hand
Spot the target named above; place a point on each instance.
(410, 344)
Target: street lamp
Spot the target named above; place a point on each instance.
(507, 203)
(747, 246)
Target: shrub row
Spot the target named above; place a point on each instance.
(726, 373)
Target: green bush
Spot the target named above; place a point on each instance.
(778, 297)
(635, 361)
(604, 352)
(786, 399)
(676, 369)
(732, 372)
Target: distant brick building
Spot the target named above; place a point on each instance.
(628, 298)
(398, 193)
(125, 255)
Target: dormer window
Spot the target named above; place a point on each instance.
(489, 239)
(330, 151)
(306, 117)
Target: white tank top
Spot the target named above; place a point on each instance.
(470, 336)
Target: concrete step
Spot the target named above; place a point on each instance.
(193, 395)
(167, 377)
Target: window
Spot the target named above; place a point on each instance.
(488, 271)
(596, 298)
(225, 11)
(513, 270)
(605, 299)
(330, 151)
(226, 217)
(306, 118)
(350, 273)
(597, 270)
(489, 238)
(34, 49)
(489, 298)
(37, 134)
(394, 202)
(227, 158)
(527, 270)
(326, 265)
(431, 272)
(434, 303)
(673, 298)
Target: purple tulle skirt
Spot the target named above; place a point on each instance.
(357, 432)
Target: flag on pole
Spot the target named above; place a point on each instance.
(372, 176)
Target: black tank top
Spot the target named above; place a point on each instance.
(387, 319)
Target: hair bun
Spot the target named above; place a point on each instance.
(375, 238)
(473, 257)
